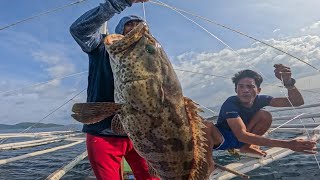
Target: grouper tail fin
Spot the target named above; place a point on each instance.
(93, 112)
(200, 166)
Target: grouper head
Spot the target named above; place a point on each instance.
(134, 56)
(143, 74)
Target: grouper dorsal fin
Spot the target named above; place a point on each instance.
(93, 112)
(200, 165)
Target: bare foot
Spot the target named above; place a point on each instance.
(252, 149)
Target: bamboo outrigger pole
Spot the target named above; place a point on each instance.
(232, 171)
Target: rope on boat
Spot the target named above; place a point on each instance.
(286, 123)
(300, 107)
(25, 130)
(234, 30)
(304, 127)
(307, 115)
(203, 28)
(144, 11)
(62, 171)
(41, 14)
(41, 83)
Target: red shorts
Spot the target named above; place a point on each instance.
(105, 156)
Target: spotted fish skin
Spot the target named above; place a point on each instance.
(163, 125)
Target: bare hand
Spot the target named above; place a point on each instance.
(299, 145)
(137, 1)
(282, 72)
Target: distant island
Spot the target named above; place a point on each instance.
(25, 125)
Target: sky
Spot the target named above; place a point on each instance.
(42, 50)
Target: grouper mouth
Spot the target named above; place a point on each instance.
(117, 43)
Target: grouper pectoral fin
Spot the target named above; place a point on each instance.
(93, 112)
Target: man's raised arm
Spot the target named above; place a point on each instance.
(85, 30)
(294, 96)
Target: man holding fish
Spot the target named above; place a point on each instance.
(106, 148)
(162, 123)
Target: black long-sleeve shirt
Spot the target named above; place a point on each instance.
(85, 30)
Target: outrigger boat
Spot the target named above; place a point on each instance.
(246, 164)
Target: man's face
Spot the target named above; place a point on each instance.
(247, 91)
(129, 26)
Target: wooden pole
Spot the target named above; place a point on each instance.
(122, 169)
(232, 171)
(62, 171)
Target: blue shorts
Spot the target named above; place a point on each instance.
(229, 140)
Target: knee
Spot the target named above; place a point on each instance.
(209, 127)
(264, 116)
(212, 133)
(208, 124)
(208, 130)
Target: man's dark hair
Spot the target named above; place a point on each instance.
(247, 74)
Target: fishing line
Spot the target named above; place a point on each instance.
(41, 83)
(41, 14)
(305, 90)
(25, 130)
(179, 11)
(72, 127)
(212, 111)
(53, 111)
(225, 77)
(236, 31)
(317, 104)
(203, 28)
(229, 77)
(298, 116)
(38, 84)
(174, 9)
(144, 12)
(51, 165)
(246, 62)
(296, 112)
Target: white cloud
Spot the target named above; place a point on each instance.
(276, 30)
(314, 27)
(56, 64)
(37, 102)
(258, 57)
(22, 98)
(34, 104)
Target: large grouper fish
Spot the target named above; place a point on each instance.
(164, 126)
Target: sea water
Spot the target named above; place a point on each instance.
(295, 166)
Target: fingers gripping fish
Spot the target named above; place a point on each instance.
(164, 126)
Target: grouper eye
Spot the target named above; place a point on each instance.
(150, 49)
